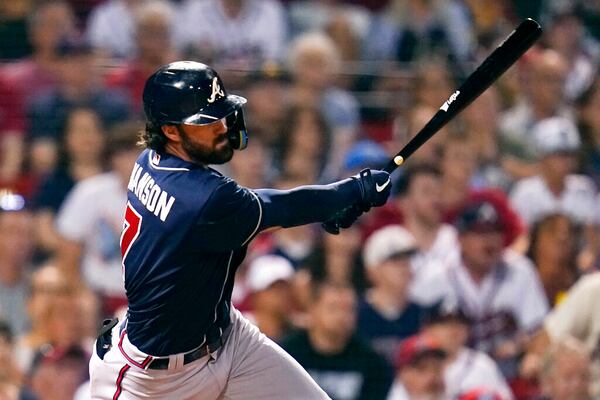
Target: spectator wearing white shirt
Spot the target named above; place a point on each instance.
(498, 289)
(419, 192)
(91, 219)
(555, 188)
(467, 369)
(111, 27)
(232, 33)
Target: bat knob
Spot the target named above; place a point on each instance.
(398, 160)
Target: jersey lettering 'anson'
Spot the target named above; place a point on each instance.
(155, 199)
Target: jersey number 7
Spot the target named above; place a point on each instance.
(131, 230)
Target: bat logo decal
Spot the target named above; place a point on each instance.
(447, 103)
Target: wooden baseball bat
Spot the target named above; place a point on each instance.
(505, 55)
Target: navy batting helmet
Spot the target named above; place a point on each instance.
(188, 92)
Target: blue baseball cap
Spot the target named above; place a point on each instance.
(365, 153)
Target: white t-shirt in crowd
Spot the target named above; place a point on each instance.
(92, 215)
(257, 34)
(111, 28)
(474, 369)
(578, 316)
(532, 199)
(512, 288)
(444, 249)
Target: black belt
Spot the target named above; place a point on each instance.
(163, 363)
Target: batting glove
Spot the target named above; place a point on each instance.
(374, 186)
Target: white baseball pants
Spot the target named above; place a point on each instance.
(248, 366)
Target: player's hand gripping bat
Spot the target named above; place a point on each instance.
(505, 55)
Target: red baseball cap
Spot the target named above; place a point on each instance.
(480, 394)
(416, 348)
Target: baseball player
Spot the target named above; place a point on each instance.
(185, 233)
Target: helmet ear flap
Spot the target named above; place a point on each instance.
(236, 130)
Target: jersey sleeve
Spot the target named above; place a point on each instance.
(230, 218)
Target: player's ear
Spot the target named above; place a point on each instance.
(171, 132)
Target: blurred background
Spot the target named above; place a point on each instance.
(478, 279)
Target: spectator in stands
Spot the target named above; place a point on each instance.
(553, 249)
(111, 28)
(337, 360)
(80, 156)
(12, 131)
(234, 34)
(499, 290)
(48, 283)
(481, 129)
(79, 86)
(153, 26)
(467, 369)
(420, 363)
(565, 371)
(543, 77)
(9, 372)
(457, 165)
(314, 61)
(251, 168)
(589, 127)
(575, 317)
(412, 29)
(555, 188)
(386, 315)
(417, 117)
(16, 245)
(304, 143)
(269, 281)
(566, 35)
(14, 43)
(91, 219)
(419, 191)
(336, 258)
(49, 23)
(57, 373)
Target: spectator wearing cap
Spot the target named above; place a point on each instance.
(268, 280)
(79, 86)
(556, 188)
(386, 315)
(342, 365)
(90, 221)
(420, 363)
(16, 247)
(497, 288)
(467, 369)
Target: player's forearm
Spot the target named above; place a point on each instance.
(306, 204)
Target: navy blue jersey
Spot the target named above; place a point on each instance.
(185, 233)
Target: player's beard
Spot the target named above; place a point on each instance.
(204, 155)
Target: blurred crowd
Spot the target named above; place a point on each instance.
(478, 279)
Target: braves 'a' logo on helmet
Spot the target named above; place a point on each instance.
(216, 91)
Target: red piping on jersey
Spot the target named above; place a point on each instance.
(120, 381)
(144, 363)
